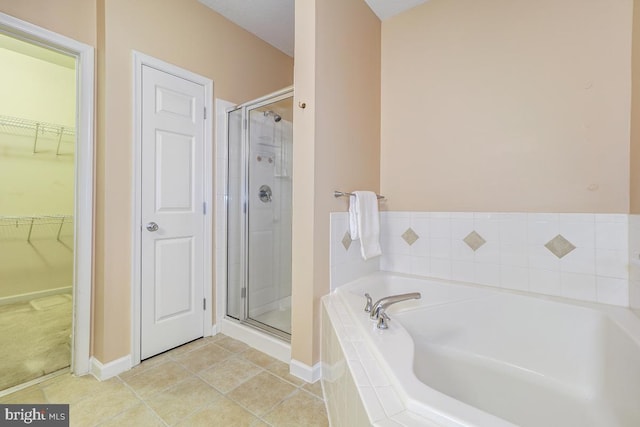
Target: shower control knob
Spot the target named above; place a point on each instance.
(265, 194)
(152, 226)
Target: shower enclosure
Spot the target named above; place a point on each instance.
(260, 145)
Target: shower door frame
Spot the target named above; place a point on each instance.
(246, 108)
(83, 177)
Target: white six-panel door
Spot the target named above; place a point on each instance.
(172, 249)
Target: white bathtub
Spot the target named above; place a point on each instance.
(474, 356)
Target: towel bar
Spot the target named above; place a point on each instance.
(337, 194)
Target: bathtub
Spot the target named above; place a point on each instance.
(467, 355)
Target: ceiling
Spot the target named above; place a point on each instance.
(272, 20)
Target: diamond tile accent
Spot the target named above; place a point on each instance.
(474, 240)
(346, 240)
(559, 246)
(410, 236)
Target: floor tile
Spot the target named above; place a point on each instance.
(301, 409)
(272, 364)
(98, 407)
(145, 365)
(203, 357)
(73, 389)
(281, 369)
(180, 401)
(222, 413)
(158, 378)
(315, 389)
(186, 348)
(33, 394)
(139, 416)
(215, 381)
(230, 373)
(258, 357)
(232, 345)
(261, 392)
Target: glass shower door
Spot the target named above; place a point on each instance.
(259, 213)
(269, 210)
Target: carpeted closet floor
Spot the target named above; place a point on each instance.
(35, 338)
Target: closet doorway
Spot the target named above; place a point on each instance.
(46, 181)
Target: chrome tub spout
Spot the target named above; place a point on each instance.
(385, 302)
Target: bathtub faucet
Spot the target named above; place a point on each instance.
(382, 304)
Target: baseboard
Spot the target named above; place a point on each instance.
(35, 295)
(215, 329)
(111, 369)
(310, 374)
(265, 343)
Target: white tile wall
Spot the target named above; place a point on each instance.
(634, 262)
(347, 264)
(514, 255)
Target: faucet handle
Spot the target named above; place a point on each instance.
(367, 308)
(383, 320)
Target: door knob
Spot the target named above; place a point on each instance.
(152, 226)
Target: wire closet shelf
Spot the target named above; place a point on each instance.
(36, 129)
(20, 227)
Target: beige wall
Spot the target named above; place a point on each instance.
(507, 106)
(182, 32)
(336, 142)
(71, 18)
(635, 112)
(303, 245)
(192, 36)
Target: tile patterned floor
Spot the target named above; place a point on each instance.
(215, 381)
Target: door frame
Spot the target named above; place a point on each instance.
(84, 178)
(140, 60)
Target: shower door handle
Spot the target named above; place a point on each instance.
(152, 226)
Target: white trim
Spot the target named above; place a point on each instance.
(268, 98)
(140, 59)
(214, 330)
(111, 369)
(35, 295)
(84, 180)
(222, 155)
(310, 374)
(266, 343)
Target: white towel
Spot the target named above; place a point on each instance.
(364, 222)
